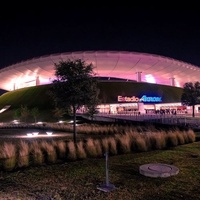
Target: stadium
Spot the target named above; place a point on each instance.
(130, 82)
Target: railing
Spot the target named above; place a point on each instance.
(184, 120)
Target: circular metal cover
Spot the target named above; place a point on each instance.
(158, 170)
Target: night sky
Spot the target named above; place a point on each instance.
(40, 30)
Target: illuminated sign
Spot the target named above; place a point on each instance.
(144, 98)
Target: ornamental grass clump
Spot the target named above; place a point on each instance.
(71, 151)
(180, 138)
(185, 135)
(160, 140)
(139, 144)
(8, 155)
(49, 151)
(81, 154)
(86, 129)
(90, 148)
(191, 136)
(23, 154)
(123, 143)
(150, 139)
(37, 154)
(155, 140)
(171, 139)
(113, 129)
(61, 148)
(98, 146)
(112, 146)
(105, 145)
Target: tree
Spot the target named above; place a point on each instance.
(92, 110)
(58, 112)
(191, 95)
(17, 114)
(75, 86)
(24, 112)
(92, 106)
(35, 113)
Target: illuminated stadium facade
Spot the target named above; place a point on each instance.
(124, 65)
(111, 65)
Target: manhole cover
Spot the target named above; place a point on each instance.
(158, 170)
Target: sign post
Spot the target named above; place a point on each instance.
(107, 187)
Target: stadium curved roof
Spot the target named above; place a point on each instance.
(119, 64)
